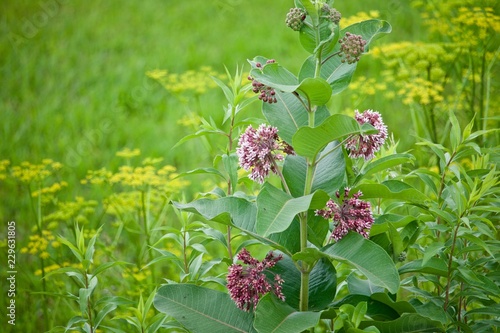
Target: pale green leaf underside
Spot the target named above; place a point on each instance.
(202, 310)
(371, 260)
(274, 316)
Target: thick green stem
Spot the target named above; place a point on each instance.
(305, 268)
(304, 291)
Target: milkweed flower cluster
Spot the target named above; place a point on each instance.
(266, 93)
(351, 47)
(352, 214)
(246, 284)
(366, 145)
(259, 149)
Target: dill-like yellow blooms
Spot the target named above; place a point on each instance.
(191, 81)
(358, 17)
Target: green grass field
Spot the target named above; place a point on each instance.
(74, 84)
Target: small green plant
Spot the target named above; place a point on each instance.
(92, 311)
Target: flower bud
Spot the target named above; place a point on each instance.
(295, 18)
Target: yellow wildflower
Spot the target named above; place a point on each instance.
(358, 17)
(129, 153)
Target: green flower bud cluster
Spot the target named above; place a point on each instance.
(332, 14)
(295, 18)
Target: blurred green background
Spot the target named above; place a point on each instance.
(74, 85)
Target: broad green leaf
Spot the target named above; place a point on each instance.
(309, 141)
(288, 114)
(317, 229)
(371, 260)
(226, 210)
(242, 214)
(359, 313)
(375, 309)
(275, 76)
(392, 189)
(407, 323)
(431, 251)
(317, 90)
(275, 316)
(328, 175)
(435, 266)
(401, 306)
(202, 310)
(309, 255)
(276, 209)
(382, 222)
(432, 311)
(358, 286)
(384, 163)
(339, 74)
(198, 171)
(322, 283)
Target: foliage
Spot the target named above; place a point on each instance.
(336, 239)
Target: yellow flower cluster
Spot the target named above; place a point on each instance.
(54, 267)
(78, 210)
(358, 17)
(422, 92)
(410, 59)
(142, 177)
(137, 274)
(3, 168)
(467, 24)
(50, 190)
(190, 120)
(191, 81)
(39, 245)
(97, 177)
(364, 86)
(27, 172)
(128, 153)
(122, 203)
(416, 70)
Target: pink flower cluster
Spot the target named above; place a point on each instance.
(351, 47)
(353, 214)
(259, 149)
(367, 145)
(247, 284)
(266, 93)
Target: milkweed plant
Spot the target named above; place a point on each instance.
(350, 240)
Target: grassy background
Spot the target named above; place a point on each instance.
(74, 87)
